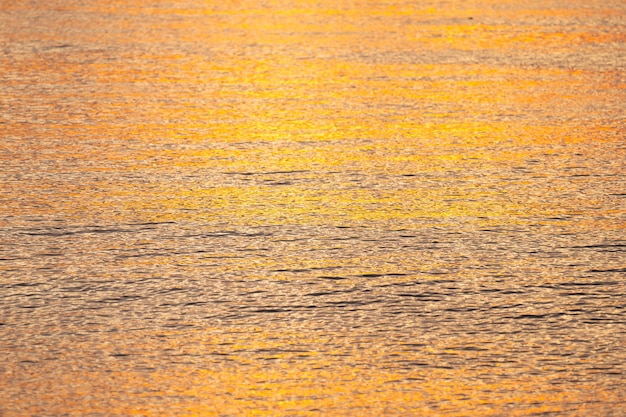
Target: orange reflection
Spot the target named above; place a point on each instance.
(255, 376)
(305, 113)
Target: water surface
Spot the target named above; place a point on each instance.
(312, 208)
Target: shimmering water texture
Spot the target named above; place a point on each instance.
(312, 208)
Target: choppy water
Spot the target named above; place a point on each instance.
(312, 208)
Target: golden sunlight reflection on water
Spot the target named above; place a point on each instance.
(312, 208)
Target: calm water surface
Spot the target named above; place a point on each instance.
(341, 208)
